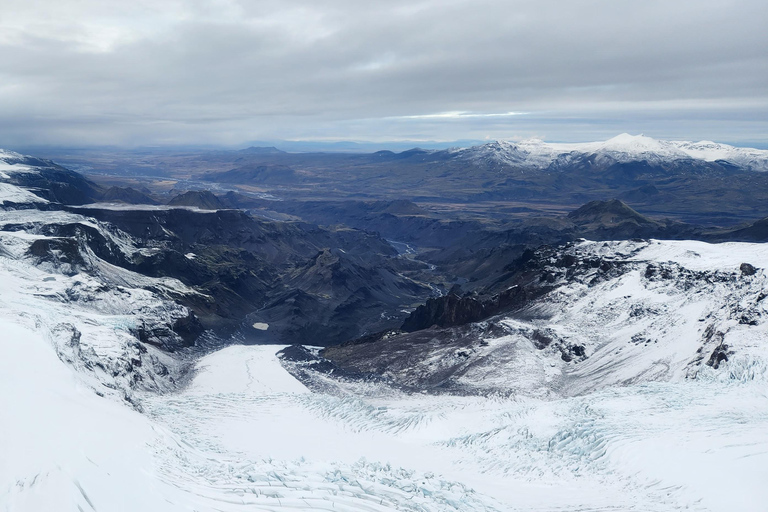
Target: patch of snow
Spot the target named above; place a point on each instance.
(13, 194)
(9, 169)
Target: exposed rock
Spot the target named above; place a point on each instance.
(747, 269)
(719, 355)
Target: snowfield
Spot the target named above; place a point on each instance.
(683, 446)
(93, 420)
(245, 436)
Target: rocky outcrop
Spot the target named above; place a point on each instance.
(203, 199)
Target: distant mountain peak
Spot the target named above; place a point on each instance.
(263, 150)
(627, 142)
(203, 199)
(623, 148)
(608, 212)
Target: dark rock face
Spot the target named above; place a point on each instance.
(747, 269)
(253, 271)
(445, 312)
(58, 251)
(719, 355)
(56, 183)
(451, 309)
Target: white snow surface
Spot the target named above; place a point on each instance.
(12, 193)
(538, 154)
(140, 207)
(245, 435)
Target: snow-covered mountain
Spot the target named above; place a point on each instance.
(537, 154)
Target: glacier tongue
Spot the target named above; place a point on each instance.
(245, 436)
(256, 439)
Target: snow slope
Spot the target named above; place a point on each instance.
(9, 167)
(650, 447)
(62, 447)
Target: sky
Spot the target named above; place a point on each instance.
(228, 72)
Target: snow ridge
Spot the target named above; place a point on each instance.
(537, 154)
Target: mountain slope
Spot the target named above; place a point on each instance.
(235, 263)
(602, 314)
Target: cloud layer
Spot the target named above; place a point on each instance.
(227, 71)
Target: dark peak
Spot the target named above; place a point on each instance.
(413, 152)
(326, 257)
(127, 195)
(754, 232)
(203, 199)
(260, 150)
(610, 212)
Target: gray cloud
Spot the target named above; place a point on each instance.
(227, 71)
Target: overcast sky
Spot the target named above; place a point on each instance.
(90, 72)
